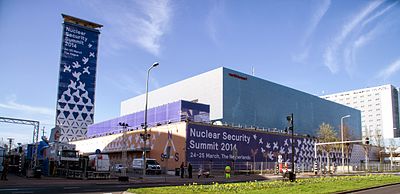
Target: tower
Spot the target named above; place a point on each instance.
(77, 78)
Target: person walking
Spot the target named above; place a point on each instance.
(5, 169)
(182, 170)
(227, 172)
(190, 170)
(200, 171)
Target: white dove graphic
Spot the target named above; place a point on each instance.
(90, 45)
(76, 75)
(268, 145)
(255, 136)
(271, 155)
(275, 146)
(67, 68)
(76, 64)
(86, 70)
(81, 86)
(282, 150)
(85, 60)
(260, 141)
(91, 54)
(72, 85)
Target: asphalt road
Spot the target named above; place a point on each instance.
(68, 189)
(392, 189)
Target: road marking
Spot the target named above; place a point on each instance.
(9, 189)
(71, 187)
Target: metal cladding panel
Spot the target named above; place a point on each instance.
(218, 143)
(77, 81)
(205, 88)
(251, 101)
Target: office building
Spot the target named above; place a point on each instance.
(379, 108)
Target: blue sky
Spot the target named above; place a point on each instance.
(318, 46)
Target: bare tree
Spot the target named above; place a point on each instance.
(392, 148)
(326, 133)
(347, 135)
(378, 141)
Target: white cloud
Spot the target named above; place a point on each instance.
(315, 20)
(12, 105)
(141, 23)
(330, 58)
(213, 19)
(379, 13)
(389, 70)
(351, 49)
(134, 85)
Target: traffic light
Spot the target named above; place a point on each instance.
(290, 122)
(367, 141)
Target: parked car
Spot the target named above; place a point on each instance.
(118, 167)
(152, 166)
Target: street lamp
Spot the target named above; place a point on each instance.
(124, 152)
(146, 136)
(341, 125)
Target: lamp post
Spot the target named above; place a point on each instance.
(145, 136)
(124, 153)
(341, 126)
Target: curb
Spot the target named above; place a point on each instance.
(364, 189)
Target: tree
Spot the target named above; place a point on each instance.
(392, 148)
(326, 133)
(378, 141)
(347, 135)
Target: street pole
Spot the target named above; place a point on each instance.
(124, 153)
(145, 135)
(292, 175)
(341, 126)
(292, 144)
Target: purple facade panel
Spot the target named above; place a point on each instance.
(164, 114)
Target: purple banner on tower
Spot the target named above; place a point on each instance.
(217, 143)
(77, 81)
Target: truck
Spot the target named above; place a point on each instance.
(98, 166)
(99, 162)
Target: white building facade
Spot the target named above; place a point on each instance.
(379, 108)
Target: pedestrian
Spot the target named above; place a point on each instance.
(5, 169)
(190, 170)
(227, 172)
(200, 171)
(182, 170)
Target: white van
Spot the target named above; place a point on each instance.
(152, 166)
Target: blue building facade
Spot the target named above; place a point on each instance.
(251, 101)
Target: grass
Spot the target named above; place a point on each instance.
(310, 185)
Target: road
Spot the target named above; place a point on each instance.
(392, 189)
(47, 185)
(92, 188)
